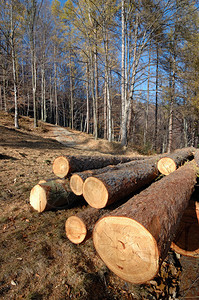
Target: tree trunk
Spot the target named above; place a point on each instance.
(77, 179)
(55, 87)
(171, 162)
(135, 238)
(64, 165)
(107, 188)
(196, 157)
(53, 194)
(156, 97)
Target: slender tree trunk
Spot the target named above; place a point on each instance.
(14, 67)
(147, 103)
(172, 96)
(4, 90)
(71, 90)
(87, 97)
(105, 110)
(55, 87)
(156, 97)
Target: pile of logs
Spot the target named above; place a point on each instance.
(135, 214)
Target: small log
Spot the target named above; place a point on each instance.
(80, 226)
(53, 194)
(186, 241)
(64, 165)
(171, 162)
(107, 188)
(135, 238)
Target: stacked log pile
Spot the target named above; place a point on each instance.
(133, 238)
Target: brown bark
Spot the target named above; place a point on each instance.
(171, 162)
(77, 179)
(196, 157)
(107, 188)
(186, 240)
(64, 165)
(135, 238)
(53, 194)
(79, 227)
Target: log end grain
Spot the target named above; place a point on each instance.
(76, 184)
(95, 192)
(75, 230)
(61, 167)
(166, 165)
(127, 248)
(38, 198)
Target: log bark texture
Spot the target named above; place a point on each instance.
(64, 165)
(171, 162)
(135, 238)
(77, 179)
(196, 157)
(104, 189)
(53, 194)
(80, 226)
(186, 240)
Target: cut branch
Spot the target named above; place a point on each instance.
(135, 238)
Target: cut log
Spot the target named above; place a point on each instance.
(135, 238)
(107, 188)
(79, 227)
(186, 241)
(53, 194)
(77, 179)
(171, 162)
(64, 165)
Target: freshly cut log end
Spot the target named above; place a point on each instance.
(127, 248)
(166, 165)
(61, 167)
(76, 184)
(75, 230)
(95, 193)
(38, 199)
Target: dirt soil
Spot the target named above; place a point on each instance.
(37, 261)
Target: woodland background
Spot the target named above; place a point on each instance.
(124, 70)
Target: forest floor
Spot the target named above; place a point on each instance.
(37, 261)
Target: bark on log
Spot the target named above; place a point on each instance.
(77, 179)
(196, 157)
(135, 238)
(80, 226)
(53, 194)
(171, 162)
(64, 165)
(104, 189)
(186, 241)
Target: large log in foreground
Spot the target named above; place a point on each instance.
(171, 162)
(64, 165)
(52, 194)
(80, 226)
(104, 189)
(135, 238)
